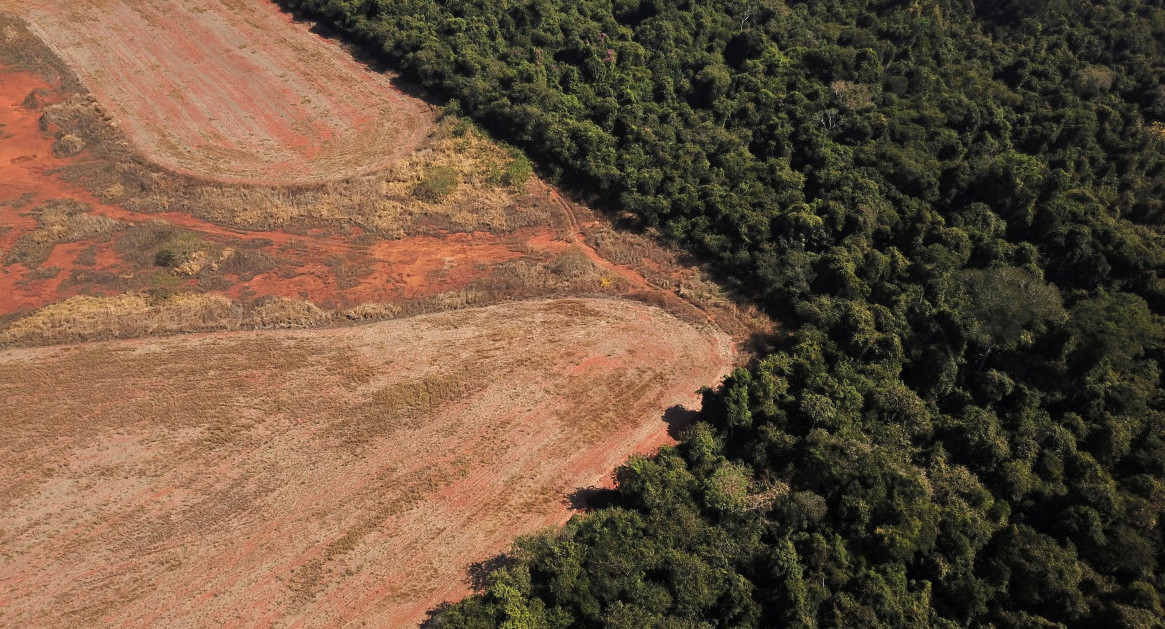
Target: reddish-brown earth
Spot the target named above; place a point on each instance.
(230, 90)
(307, 265)
(318, 478)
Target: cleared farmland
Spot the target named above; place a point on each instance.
(322, 477)
(230, 90)
(314, 477)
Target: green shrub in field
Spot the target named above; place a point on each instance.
(518, 171)
(437, 183)
(176, 251)
(514, 173)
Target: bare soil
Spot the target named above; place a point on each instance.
(60, 238)
(323, 265)
(230, 90)
(318, 478)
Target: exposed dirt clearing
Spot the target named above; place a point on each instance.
(330, 269)
(317, 478)
(230, 90)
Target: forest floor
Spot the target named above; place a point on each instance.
(319, 477)
(257, 476)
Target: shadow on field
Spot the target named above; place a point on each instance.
(582, 499)
(433, 616)
(478, 574)
(371, 58)
(477, 578)
(677, 419)
(590, 498)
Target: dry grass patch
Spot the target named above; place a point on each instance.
(85, 318)
(281, 312)
(21, 50)
(458, 181)
(372, 312)
(58, 222)
(402, 404)
(167, 307)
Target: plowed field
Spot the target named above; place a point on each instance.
(230, 90)
(317, 478)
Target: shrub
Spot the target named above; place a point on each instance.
(437, 183)
(68, 146)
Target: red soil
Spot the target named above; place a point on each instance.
(229, 90)
(388, 271)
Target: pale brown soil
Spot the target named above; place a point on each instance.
(318, 478)
(230, 90)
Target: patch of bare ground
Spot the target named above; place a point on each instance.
(456, 224)
(230, 90)
(318, 478)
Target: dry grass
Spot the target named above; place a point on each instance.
(68, 145)
(281, 312)
(372, 312)
(85, 318)
(569, 273)
(165, 309)
(58, 222)
(88, 125)
(21, 50)
(480, 188)
(402, 404)
(404, 199)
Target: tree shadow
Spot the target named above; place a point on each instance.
(433, 616)
(677, 419)
(585, 499)
(477, 576)
(374, 60)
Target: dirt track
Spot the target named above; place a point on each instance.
(317, 478)
(229, 90)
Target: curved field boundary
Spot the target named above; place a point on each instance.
(230, 90)
(318, 478)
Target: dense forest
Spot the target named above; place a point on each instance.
(954, 206)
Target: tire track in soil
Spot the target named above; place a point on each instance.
(634, 278)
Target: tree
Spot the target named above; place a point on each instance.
(1003, 305)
